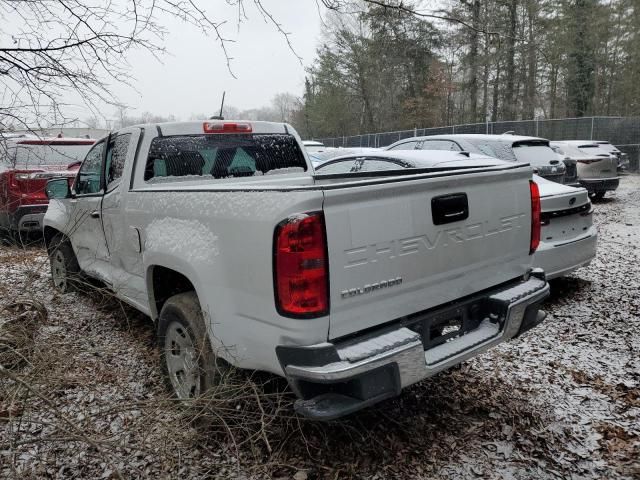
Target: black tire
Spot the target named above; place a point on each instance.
(181, 320)
(12, 237)
(6, 236)
(597, 196)
(65, 271)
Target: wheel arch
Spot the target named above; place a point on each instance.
(163, 283)
(49, 233)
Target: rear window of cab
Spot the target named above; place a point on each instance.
(221, 156)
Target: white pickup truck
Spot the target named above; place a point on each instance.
(352, 287)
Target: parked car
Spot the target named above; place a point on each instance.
(511, 148)
(568, 239)
(314, 146)
(571, 166)
(26, 163)
(352, 288)
(623, 158)
(597, 169)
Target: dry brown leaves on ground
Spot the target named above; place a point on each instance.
(561, 402)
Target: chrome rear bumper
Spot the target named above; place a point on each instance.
(333, 380)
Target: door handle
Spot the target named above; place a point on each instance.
(95, 214)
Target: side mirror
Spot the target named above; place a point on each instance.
(57, 188)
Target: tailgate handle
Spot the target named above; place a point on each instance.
(455, 214)
(449, 208)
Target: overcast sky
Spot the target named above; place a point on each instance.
(193, 75)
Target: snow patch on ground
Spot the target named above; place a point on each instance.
(563, 401)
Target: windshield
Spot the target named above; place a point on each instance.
(222, 156)
(34, 155)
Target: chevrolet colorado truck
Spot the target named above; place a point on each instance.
(352, 287)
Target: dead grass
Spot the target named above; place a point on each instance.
(77, 400)
(89, 401)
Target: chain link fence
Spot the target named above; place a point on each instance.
(623, 132)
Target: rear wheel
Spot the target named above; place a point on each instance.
(597, 196)
(65, 270)
(188, 361)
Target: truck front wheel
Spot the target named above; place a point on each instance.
(188, 360)
(65, 271)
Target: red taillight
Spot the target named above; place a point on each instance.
(535, 217)
(301, 273)
(17, 176)
(13, 183)
(226, 127)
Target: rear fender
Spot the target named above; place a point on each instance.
(177, 264)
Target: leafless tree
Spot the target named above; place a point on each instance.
(284, 104)
(55, 52)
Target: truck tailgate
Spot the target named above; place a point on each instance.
(402, 245)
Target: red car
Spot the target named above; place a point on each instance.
(26, 163)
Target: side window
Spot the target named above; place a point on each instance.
(405, 146)
(487, 150)
(116, 156)
(447, 145)
(491, 149)
(90, 173)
